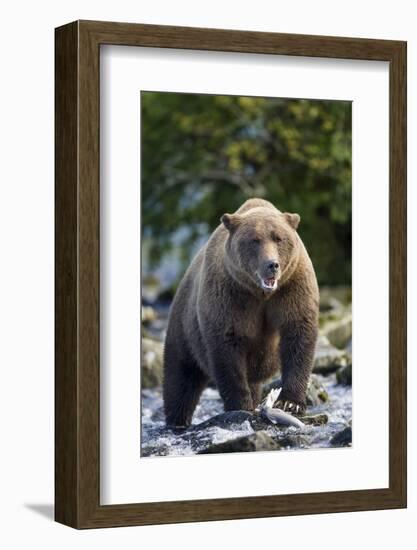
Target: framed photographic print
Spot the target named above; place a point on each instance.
(230, 274)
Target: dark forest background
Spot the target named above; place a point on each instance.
(203, 155)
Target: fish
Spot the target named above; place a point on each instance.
(275, 415)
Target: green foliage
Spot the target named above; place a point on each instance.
(203, 155)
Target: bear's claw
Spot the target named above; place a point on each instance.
(290, 406)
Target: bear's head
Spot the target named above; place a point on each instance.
(261, 244)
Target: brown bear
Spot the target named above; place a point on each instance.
(247, 305)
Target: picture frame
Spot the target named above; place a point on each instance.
(77, 272)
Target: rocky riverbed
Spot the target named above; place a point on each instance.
(327, 422)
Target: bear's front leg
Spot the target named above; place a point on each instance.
(297, 346)
(230, 369)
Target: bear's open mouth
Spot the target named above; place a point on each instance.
(270, 283)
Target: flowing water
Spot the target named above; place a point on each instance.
(156, 440)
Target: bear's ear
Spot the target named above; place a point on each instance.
(292, 219)
(230, 221)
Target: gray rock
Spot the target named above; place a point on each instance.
(227, 420)
(152, 363)
(232, 419)
(339, 331)
(336, 315)
(259, 441)
(329, 359)
(342, 438)
(344, 375)
(155, 450)
(315, 419)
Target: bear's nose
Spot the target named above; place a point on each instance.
(273, 266)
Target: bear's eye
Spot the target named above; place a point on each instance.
(276, 238)
(255, 240)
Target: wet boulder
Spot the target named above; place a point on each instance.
(226, 420)
(259, 441)
(342, 438)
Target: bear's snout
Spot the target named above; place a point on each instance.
(269, 274)
(272, 266)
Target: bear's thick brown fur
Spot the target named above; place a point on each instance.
(247, 304)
